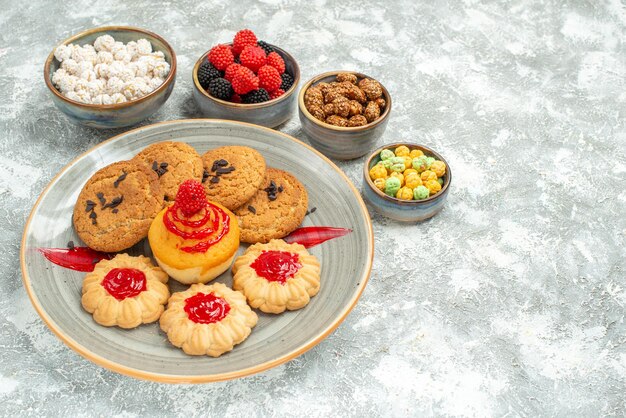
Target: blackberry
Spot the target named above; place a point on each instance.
(266, 47)
(237, 60)
(220, 88)
(256, 96)
(287, 81)
(206, 73)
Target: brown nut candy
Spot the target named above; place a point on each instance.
(349, 77)
(333, 94)
(372, 88)
(357, 120)
(372, 111)
(381, 103)
(329, 109)
(337, 120)
(324, 87)
(313, 97)
(352, 92)
(356, 108)
(342, 107)
(317, 112)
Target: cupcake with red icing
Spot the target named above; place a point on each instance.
(207, 320)
(277, 276)
(194, 240)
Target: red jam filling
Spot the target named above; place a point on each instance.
(124, 283)
(212, 224)
(206, 309)
(276, 266)
(310, 236)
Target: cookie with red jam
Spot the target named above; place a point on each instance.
(125, 291)
(207, 320)
(277, 276)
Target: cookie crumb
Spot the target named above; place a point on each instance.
(215, 179)
(114, 203)
(205, 176)
(101, 198)
(252, 209)
(90, 204)
(70, 245)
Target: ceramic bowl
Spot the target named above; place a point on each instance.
(339, 142)
(270, 114)
(405, 210)
(120, 114)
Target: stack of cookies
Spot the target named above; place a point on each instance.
(118, 203)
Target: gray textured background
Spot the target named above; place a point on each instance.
(509, 302)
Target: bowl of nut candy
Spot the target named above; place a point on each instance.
(344, 113)
(248, 80)
(111, 77)
(406, 182)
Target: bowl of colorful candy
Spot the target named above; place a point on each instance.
(111, 77)
(343, 113)
(248, 80)
(406, 182)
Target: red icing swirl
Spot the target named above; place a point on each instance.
(124, 283)
(204, 308)
(208, 229)
(276, 266)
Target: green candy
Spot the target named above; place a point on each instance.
(420, 192)
(399, 167)
(397, 160)
(440, 181)
(419, 163)
(429, 162)
(386, 154)
(392, 185)
(385, 163)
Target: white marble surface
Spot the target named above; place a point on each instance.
(509, 302)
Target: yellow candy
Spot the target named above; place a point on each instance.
(402, 151)
(433, 186)
(399, 176)
(412, 180)
(416, 153)
(380, 184)
(428, 175)
(405, 193)
(409, 171)
(439, 167)
(408, 162)
(378, 172)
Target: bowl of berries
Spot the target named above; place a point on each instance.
(247, 80)
(406, 182)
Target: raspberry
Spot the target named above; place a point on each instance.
(220, 88)
(266, 47)
(242, 39)
(287, 81)
(206, 73)
(221, 56)
(276, 61)
(276, 93)
(191, 197)
(253, 57)
(256, 96)
(230, 72)
(269, 78)
(236, 98)
(245, 81)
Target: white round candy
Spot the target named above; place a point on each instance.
(62, 52)
(58, 76)
(161, 69)
(88, 75)
(144, 47)
(102, 70)
(71, 66)
(118, 98)
(114, 85)
(68, 83)
(104, 43)
(104, 57)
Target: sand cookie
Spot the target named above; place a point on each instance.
(277, 276)
(207, 320)
(125, 291)
(116, 206)
(173, 162)
(277, 208)
(233, 174)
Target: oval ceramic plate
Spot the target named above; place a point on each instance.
(145, 352)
